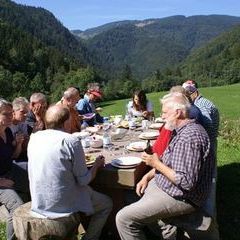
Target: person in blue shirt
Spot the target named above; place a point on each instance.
(86, 105)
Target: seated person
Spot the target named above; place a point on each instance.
(194, 111)
(180, 179)
(87, 105)
(35, 117)
(63, 188)
(140, 106)
(11, 200)
(19, 127)
(69, 100)
(13, 179)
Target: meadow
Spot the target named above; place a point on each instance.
(227, 99)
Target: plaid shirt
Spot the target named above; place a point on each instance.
(189, 156)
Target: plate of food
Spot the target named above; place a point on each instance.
(126, 162)
(82, 134)
(90, 159)
(156, 125)
(159, 120)
(94, 129)
(151, 135)
(137, 146)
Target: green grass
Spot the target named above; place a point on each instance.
(227, 99)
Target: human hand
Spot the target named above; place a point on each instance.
(145, 114)
(39, 111)
(150, 160)
(141, 186)
(100, 161)
(19, 138)
(7, 183)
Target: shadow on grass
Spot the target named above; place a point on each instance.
(228, 206)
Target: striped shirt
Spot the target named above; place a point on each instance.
(188, 154)
(210, 116)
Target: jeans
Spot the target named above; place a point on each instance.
(152, 207)
(10, 199)
(102, 206)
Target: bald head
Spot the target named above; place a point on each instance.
(55, 117)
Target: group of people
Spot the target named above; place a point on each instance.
(178, 188)
(21, 118)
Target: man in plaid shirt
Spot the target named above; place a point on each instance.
(179, 181)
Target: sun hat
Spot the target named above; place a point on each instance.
(190, 86)
(96, 93)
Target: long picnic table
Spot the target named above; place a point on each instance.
(118, 183)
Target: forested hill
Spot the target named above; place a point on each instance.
(218, 61)
(42, 25)
(153, 44)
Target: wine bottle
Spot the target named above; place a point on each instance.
(148, 149)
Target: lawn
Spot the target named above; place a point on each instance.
(227, 100)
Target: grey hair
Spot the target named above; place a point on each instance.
(4, 103)
(70, 92)
(37, 97)
(176, 101)
(19, 102)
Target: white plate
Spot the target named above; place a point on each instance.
(122, 166)
(88, 116)
(156, 125)
(82, 134)
(159, 120)
(149, 135)
(137, 146)
(127, 161)
(92, 129)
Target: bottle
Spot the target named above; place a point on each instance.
(106, 139)
(148, 149)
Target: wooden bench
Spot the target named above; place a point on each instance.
(28, 227)
(3, 213)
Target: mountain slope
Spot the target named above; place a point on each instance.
(42, 24)
(218, 61)
(154, 43)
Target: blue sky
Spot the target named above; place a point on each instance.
(83, 14)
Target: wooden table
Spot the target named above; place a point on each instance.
(118, 183)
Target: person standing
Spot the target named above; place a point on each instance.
(210, 121)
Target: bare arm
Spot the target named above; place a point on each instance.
(154, 162)
(143, 183)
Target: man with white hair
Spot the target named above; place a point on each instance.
(179, 181)
(38, 106)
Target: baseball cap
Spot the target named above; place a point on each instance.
(190, 86)
(96, 93)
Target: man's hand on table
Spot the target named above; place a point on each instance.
(100, 161)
